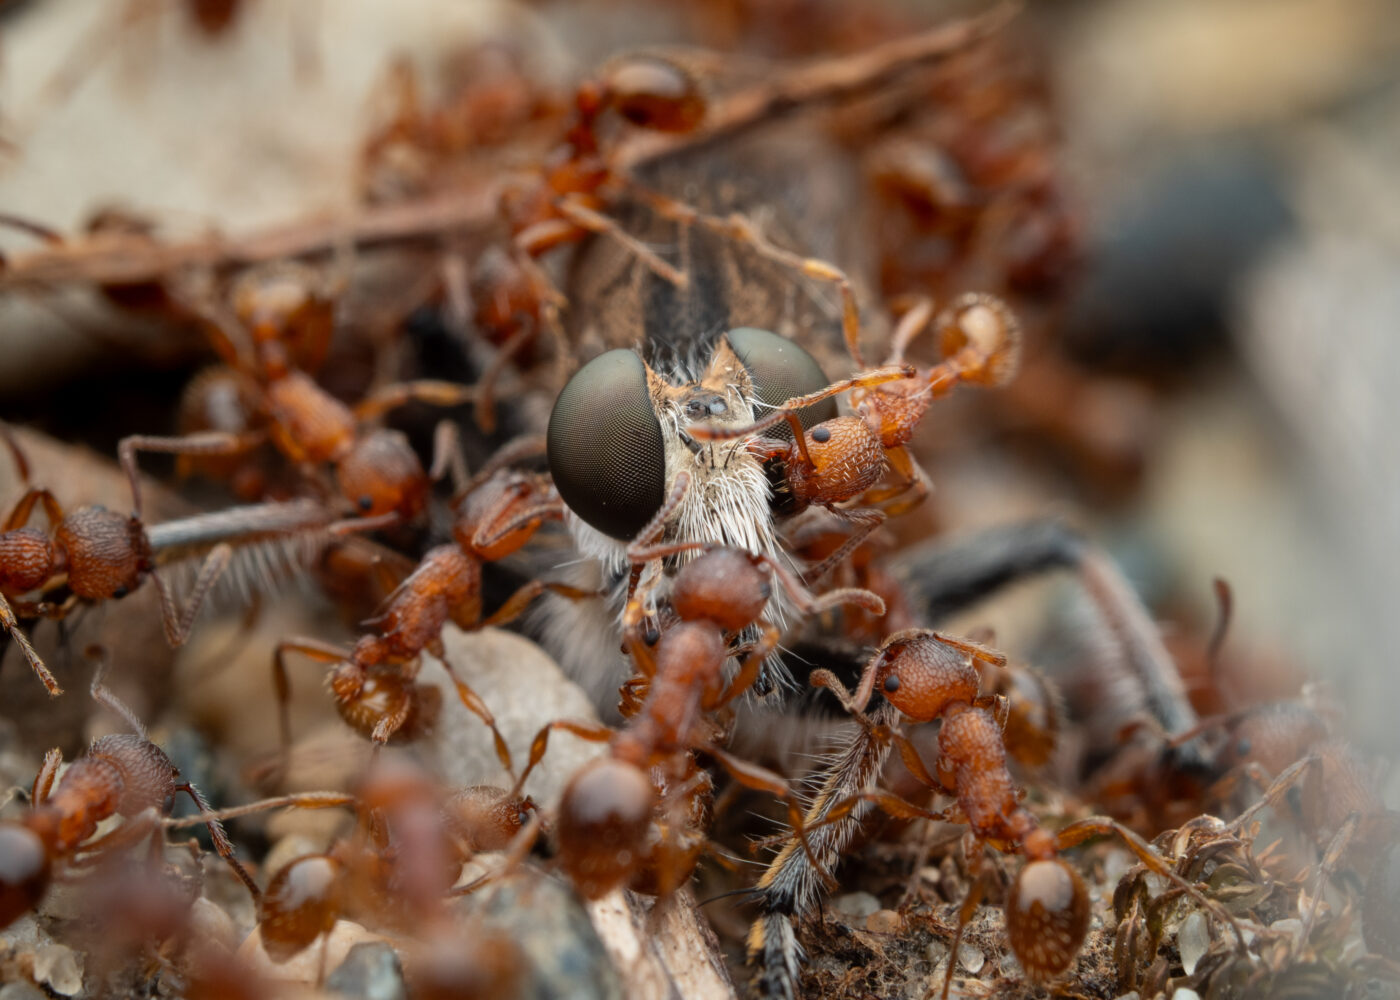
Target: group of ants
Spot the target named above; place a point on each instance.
(634, 817)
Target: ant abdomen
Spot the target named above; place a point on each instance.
(302, 902)
(986, 328)
(24, 871)
(604, 824)
(655, 94)
(107, 552)
(1047, 917)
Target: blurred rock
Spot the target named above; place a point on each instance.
(525, 690)
(306, 966)
(370, 972)
(564, 956)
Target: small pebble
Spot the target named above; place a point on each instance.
(1192, 940)
(59, 968)
(856, 904)
(971, 958)
(930, 874)
(370, 972)
(1129, 996)
(1184, 993)
(209, 922)
(936, 952)
(884, 922)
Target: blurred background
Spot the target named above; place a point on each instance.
(1230, 306)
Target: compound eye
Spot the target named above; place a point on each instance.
(781, 370)
(605, 447)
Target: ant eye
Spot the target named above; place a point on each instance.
(366, 502)
(781, 371)
(119, 593)
(892, 683)
(605, 448)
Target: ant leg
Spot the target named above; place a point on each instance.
(599, 224)
(517, 602)
(593, 732)
(17, 454)
(473, 703)
(434, 392)
(808, 605)
(749, 669)
(972, 853)
(48, 773)
(300, 800)
(484, 410)
(11, 625)
(912, 480)
(201, 443)
(515, 854)
(914, 322)
(637, 550)
(321, 652)
(781, 413)
(104, 695)
(866, 521)
(741, 229)
(177, 621)
(25, 506)
(514, 450)
(222, 845)
(1101, 826)
(447, 455)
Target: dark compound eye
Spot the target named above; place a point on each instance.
(605, 448)
(781, 370)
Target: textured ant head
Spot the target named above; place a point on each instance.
(604, 824)
(1047, 916)
(921, 676)
(107, 552)
(488, 818)
(381, 473)
(724, 586)
(24, 871)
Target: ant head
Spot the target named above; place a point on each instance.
(488, 818)
(604, 822)
(725, 586)
(24, 871)
(1047, 916)
(381, 473)
(495, 519)
(290, 319)
(107, 552)
(921, 675)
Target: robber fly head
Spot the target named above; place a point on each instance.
(618, 439)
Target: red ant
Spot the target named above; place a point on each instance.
(121, 775)
(374, 684)
(925, 675)
(635, 815)
(398, 865)
(98, 554)
(288, 322)
(841, 459)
